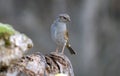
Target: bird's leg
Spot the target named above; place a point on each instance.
(63, 48)
(57, 49)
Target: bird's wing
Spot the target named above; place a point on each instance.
(66, 36)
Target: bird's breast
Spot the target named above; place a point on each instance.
(57, 31)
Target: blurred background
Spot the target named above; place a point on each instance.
(94, 30)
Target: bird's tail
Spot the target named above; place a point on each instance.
(70, 49)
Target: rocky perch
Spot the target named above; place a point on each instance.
(13, 62)
(13, 45)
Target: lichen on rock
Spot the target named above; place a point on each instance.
(13, 45)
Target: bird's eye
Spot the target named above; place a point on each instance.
(64, 18)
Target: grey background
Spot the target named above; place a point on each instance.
(93, 31)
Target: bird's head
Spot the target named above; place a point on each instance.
(64, 18)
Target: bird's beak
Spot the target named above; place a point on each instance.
(69, 19)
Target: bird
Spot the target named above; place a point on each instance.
(59, 33)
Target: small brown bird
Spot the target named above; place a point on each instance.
(59, 33)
